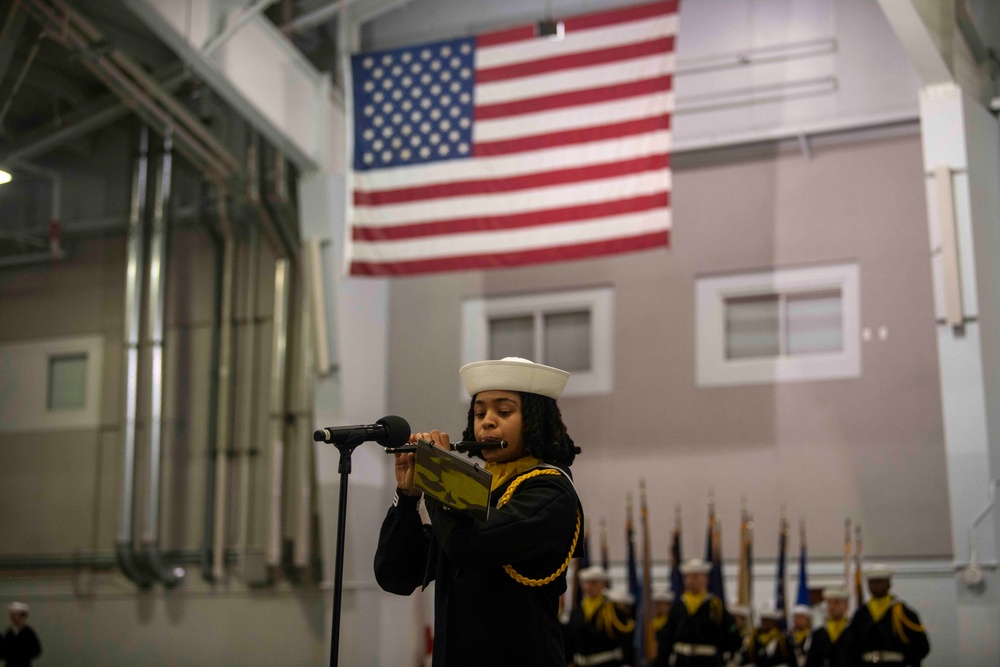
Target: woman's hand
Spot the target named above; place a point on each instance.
(405, 462)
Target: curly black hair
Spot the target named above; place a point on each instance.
(544, 432)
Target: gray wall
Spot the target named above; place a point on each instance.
(869, 448)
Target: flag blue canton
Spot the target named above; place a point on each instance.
(413, 105)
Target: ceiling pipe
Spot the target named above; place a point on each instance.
(125, 549)
(248, 14)
(79, 124)
(138, 90)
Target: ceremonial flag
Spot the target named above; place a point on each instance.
(676, 578)
(713, 553)
(645, 638)
(508, 149)
(802, 596)
(859, 591)
(847, 555)
(605, 557)
(633, 572)
(585, 558)
(779, 580)
(744, 585)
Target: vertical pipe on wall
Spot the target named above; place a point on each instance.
(157, 290)
(224, 400)
(222, 346)
(276, 422)
(303, 400)
(247, 377)
(133, 294)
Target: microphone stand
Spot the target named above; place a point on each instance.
(346, 447)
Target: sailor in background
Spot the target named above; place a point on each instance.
(769, 646)
(744, 625)
(663, 599)
(827, 642)
(885, 630)
(20, 643)
(800, 635)
(699, 630)
(601, 630)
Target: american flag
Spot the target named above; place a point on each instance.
(508, 149)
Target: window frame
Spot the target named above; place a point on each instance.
(477, 311)
(713, 368)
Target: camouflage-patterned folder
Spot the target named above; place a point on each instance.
(453, 479)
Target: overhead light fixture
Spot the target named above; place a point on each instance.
(551, 29)
(5, 177)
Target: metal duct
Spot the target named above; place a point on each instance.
(157, 277)
(133, 293)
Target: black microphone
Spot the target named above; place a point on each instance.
(390, 431)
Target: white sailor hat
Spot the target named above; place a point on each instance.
(879, 571)
(514, 374)
(620, 596)
(662, 595)
(771, 614)
(834, 593)
(802, 609)
(740, 610)
(593, 573)
(17, 607)
(695, 566)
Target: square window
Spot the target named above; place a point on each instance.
(567, 341)
(67, 385)
(753, 326)
(571, 330)
(512, 337)
(814, 323)
(784, 325)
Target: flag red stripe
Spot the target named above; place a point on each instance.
(622, 15)
(513, 221)
(606, 18)
(512, 183)
(575, 97)
(569, 137)
(514, 258)
(573, 60)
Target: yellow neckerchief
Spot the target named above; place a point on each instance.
(800, 636)
(590, 606)
(765, 638)
(693, 601)
(660, 621)
(504, 472)
(835, 628)
(878, 606)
